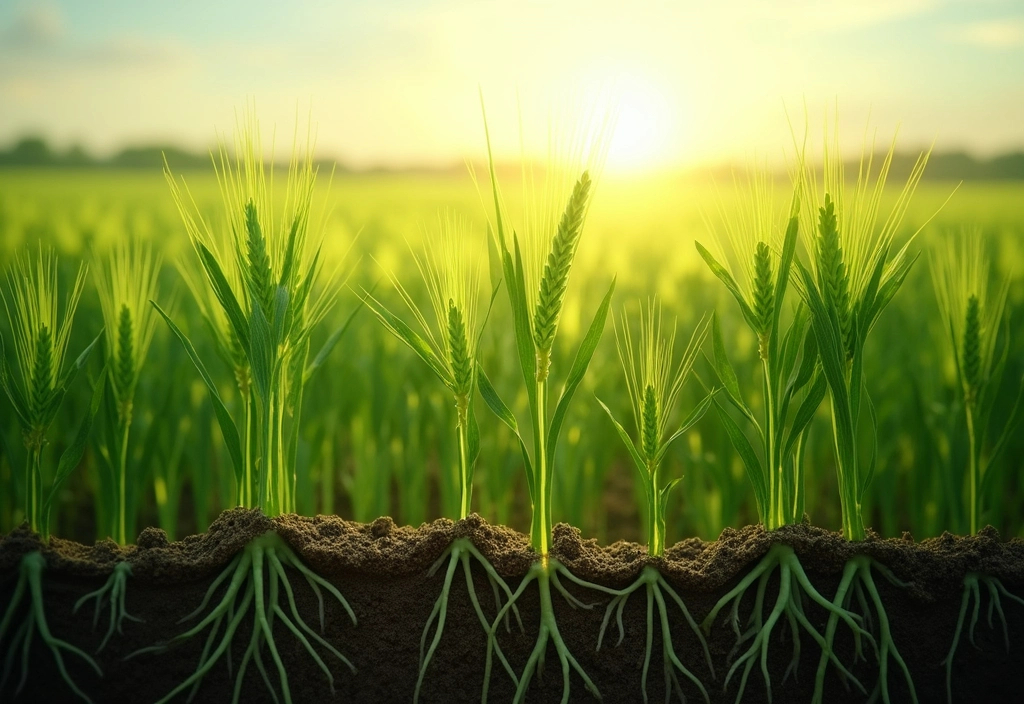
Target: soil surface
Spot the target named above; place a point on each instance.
(383, 571)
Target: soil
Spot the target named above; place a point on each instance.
(382, 569)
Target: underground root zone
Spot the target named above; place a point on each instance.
(382, 570)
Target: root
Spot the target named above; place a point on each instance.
(656, 587)
(857, 575)
(460, 552)
(246, 589)
(972, 591)
(546, 573)
(30, 578)
(793, 586)
(112, 591)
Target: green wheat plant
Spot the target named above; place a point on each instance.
(447, 342)
(127, 282)
(856, 269)
(41, 334)
(972, 311)
(654, 381)
(265, 276)
(536, 288)
(792, 388)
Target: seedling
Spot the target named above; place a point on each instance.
(271, 302)
(973, 312)
(449, 346)
(40, 345)
(535, 324)
(127, 281)
(654, 384)
(854, 276)
(789, 377)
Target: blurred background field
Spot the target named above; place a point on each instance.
(377, 435)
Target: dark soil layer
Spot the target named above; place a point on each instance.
(382, 570)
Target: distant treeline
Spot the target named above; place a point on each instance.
(36, 152)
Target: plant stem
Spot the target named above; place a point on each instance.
(122, 481)
(655, 540)
(465, 485)
(35, 481)
(846, 461)
(973, 468)
(776, 512)
(287, 489)
(540, 530)
(245, 497)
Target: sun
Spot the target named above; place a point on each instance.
(644, 129)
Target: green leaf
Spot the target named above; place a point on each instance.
(261, 351)
(227, 425)
(832, 353)
(80, 361)
(289, 254)
(1016, 415)
(808, 360)
(73, 454)
(628, 442)
(17, 398)
(487, 314)
(329, 345)
(400, 329)
(865, 481)
(515, 285)
(751, 462)
(222, 289)
(726, 374)
(785, 265)
(791, 346)
(663, 499)
(805, 414)
(577, 371)
(57, 397)
(991, 388)
(730, 283)
(506, 416)
(280, 322)
(886, 291)
(695, 415)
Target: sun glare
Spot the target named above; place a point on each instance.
(643, 130)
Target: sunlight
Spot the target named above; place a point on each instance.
(644, 129)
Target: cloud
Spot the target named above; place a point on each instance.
(994, 34)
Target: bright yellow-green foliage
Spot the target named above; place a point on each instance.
(376, 426)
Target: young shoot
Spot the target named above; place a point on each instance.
(447, 341)
(126, 280)
(972, 310)
(765, 240)
(857, 268)
(267, 284)
(654, 381)
(536, 285)
(41, 333)
(266, 279)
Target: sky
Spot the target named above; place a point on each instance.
(395, 82)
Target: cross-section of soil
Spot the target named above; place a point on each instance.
(382, 569)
